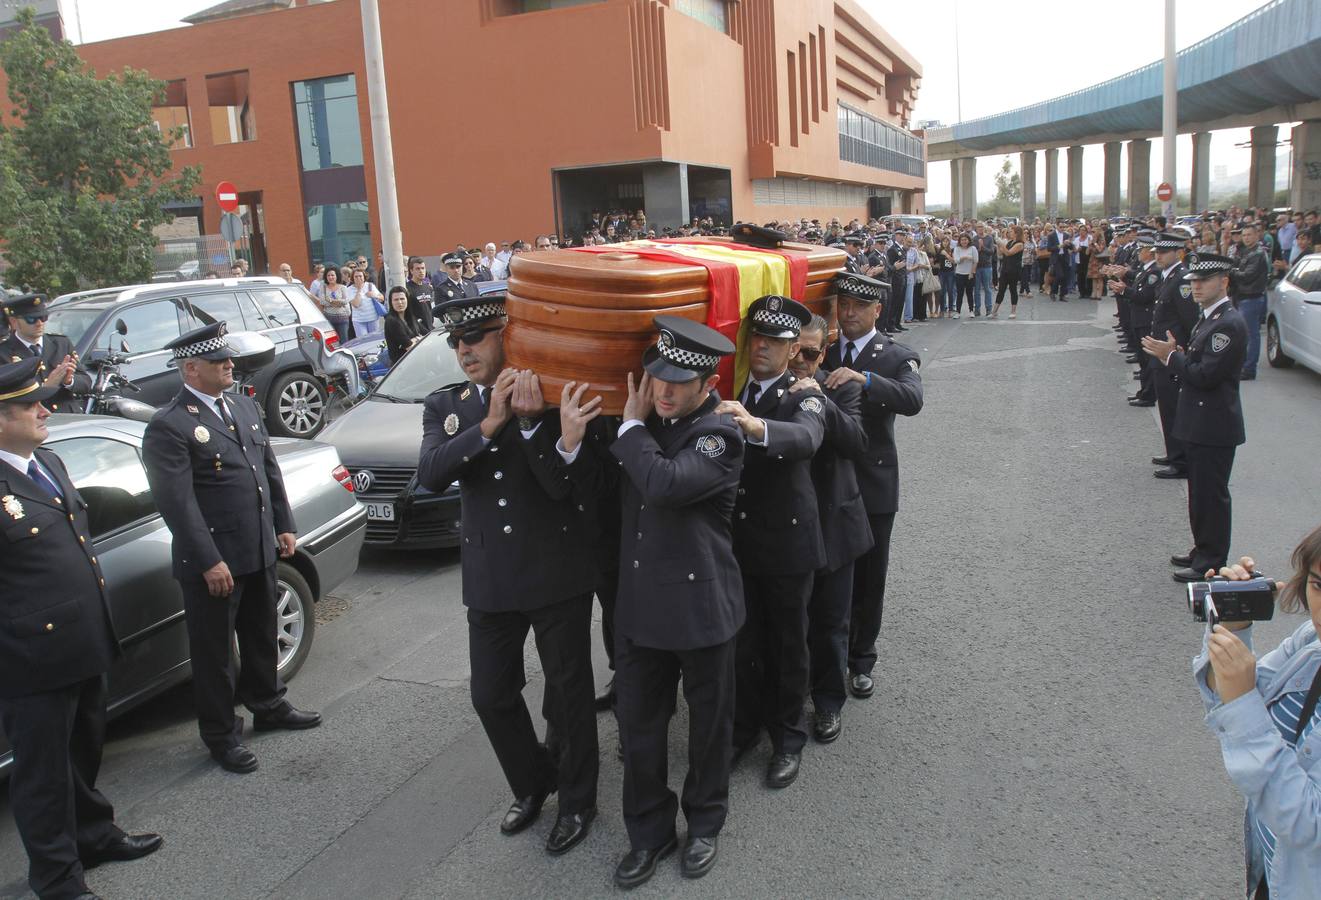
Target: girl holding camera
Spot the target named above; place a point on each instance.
(1266, 715)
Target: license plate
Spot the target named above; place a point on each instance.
(383, 512)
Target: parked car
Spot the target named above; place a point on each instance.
(379, 440)
(1293, 316)
(140, 320)
(103, 456)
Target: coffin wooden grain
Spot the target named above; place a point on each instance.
(576, 316)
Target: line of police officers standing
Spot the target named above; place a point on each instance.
(750, 537)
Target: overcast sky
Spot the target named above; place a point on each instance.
(1008, 55)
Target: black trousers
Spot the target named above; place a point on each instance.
(1146, 363)
(869, 595)
(962, 288)
(564, 644)
(828, 637)
(1010, 282)
(1209, 505)
(57, 737)
(772, 669)
(645, 683)
(248, 613)
(894, 311)
(1125, 317)
(1167, 401)
(1084, 283)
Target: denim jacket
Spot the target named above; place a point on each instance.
(1282, 785)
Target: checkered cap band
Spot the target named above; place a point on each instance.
(1170, 242)
(461, 315)
(1209, 266)
(210, 345)
(1146, 240)
(777, 319)
(688, 359)
(856, 287)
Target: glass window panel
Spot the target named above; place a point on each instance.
(339, 230)
(710, 12)
(214, 308)
(329, 134)
(110, 477)
(275, 306)
(150, 326)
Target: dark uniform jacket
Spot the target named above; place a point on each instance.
(526, 542)
(896, 388)
(448, 289)
(55, 626)
(1175, 311)
(1143, 286)
(777, 528)
(1209, 411)
(844, 526)
(219, 491)
(54, 347)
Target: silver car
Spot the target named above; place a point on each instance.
(1293, 316)
(104, 459)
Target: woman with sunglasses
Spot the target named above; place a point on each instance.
(402, 330)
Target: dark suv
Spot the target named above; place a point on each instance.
(141, 320)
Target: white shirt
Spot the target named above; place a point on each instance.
(1206, 313)
(858, 346)
(210, 402)
(20, 463)
(35, 348)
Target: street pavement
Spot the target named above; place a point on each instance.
(1035, 731)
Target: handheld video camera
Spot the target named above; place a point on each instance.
(1221, 600)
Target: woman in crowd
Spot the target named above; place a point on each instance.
(402, 330)
(965, 267)
(1207, 242)
(943, 264)
(1082, 259)
(1011, 260)
(1097, 256)
(1029, 263)
(922, 301)
(363, 296)
(1266, 715)
(335, 302)
(314, 286)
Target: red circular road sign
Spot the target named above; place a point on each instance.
(1164, 192)
(227, 196)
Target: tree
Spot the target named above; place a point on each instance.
(83, 168)
(1008, 185)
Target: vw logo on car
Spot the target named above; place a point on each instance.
(362, 482)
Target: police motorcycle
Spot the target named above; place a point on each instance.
(106, 398)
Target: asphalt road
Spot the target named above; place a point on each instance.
(1035, 730)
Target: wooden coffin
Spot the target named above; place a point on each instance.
(577, 316)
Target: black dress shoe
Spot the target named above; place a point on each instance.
(523, 812)
(236, 759)
(606, 699)
(1142, 403)
(1132, 359)
(1137, 376)
(1183, 561)
(699, 855)
(1160, 460)
(569, 830)
(87, 896)
(861, 685)
(1184, 576)
(130, 846)
(1170, 472)
(783, 769)
(1248, 376)
(287, 718)
(639, 865)
(827, 725)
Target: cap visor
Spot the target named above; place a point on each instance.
(772, 331)
(40, 395)
(659, 367)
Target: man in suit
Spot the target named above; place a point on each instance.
(777, 537)
(1175, 313)
(680, 600)
(844, 528)
(1209, 421)
(218, 486)
(891, 385)
(57, 641)
(26, 316)
(527, 564)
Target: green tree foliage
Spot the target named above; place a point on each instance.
(83, 168)
(1008, 185)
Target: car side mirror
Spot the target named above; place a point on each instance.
(121, 327)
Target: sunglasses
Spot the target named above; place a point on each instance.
(468, 338)
(33, 320)
(811, 354)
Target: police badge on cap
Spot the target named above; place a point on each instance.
(463, 313)
(684, 350)
(778, 317)
(1207, 265)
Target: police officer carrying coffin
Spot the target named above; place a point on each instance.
(1209, 422)
(891, 385)
(56, 643)
(26, 316)
(218, 486)
(1175, 313)
(527, 563)
(680, 600)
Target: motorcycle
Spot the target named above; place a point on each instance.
(337, 368)
(106, 396)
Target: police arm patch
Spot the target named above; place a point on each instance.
(711, 445)
(811, 404)
(1219, 341)
(914, 364)
(451, 424)
(1185, 291)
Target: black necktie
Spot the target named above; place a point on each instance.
(224, 414)
(753, 390)
(37, 474)
(849, 357)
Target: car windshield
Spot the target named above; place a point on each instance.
(429, 365)
(72, 322)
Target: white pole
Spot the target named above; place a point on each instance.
(958, 72)
(387, 201)
(1170, 118)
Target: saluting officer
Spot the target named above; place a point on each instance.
(56, 642)
(218, 486)
(1175, 313)
(680, 600)
(527, 563)
(891, 385)
(26, 316)
(1209, 422)
(777, 537)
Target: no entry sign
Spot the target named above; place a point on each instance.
(1164, 193)
(227, 196)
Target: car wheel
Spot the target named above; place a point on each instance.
(1274, 351)
(295, 618)
(296, 405)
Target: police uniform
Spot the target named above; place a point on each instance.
(450, 288)
(893, 387)
(1175, 312)
(1142, 286)
(1209, 422)
(527, 564)
(219, 489)
(53, 349)
(57, 641)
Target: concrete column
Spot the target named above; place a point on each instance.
(955, 189)
(1261, 172)
(665, 194)
(970, 187)
(1111, 203)
(1200, 190)
(1052, 182)
(1074, 189)
(1027, 176)
(1305, 180)
(1139, 178)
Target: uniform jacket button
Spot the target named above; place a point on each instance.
(36, 531)
(635, 563)
(499, 475)
(692, 576)
(509, 529)
(639, 535)
(580, 507)
(742, 515)
(502, 502)
(81, 539)
(50, 626)
(102, 582)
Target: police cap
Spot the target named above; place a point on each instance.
(684, 349)
(207, 342)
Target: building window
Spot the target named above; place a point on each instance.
(172, 112)
(338, 231)
(329, 134)
(501, 8)
(869, 141)
(227, 97)
(710, 12)
(806, 192)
